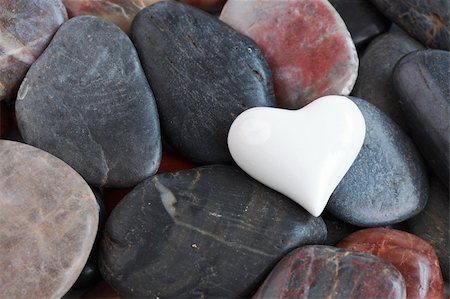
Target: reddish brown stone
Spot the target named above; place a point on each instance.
(209, 5)
(172, 163)
(412, 256)
(305, 42)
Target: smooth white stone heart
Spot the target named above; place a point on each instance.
(304, 153)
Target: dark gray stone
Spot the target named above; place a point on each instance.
(426, 20)
(209, 232)
(374, 83)
(86, 100)
(203, 74)
(363, 20)
(387, 183)
(336, 229)
(422, 81)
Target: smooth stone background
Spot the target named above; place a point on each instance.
(412, 256)
(374, 83)
(427, 21)
(329, 272)
(86, 101)
(203, 73)
(206, 232)
(422, 81)
(387, 183)
(26, 28)
(48, 223)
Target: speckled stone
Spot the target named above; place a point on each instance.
(374, 83)
(329, 272)
(48, 223)
(209, 232)
(26, 27)
(120, 12)
(86, 100)
(412, 256)
(306, 43)
(422, 81)
(203, 74)
(387, 183)
(427, 21)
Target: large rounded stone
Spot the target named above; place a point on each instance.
(308, 47)
(209, 232)
(26, 28)
(203, 74)
(387, 183)
(48, 223)
(86, 101)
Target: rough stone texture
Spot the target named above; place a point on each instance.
(412, 256)
(308, 47)
(120, 12)
(26, 27)
(387, 183)
(203, 74)
(374, 83)
(427, 21)
(328, 272)
(86, 101)
(362, 19)
(48, 222)
(422, 81)
(432, 224)
(209, 232)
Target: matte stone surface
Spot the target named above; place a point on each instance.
(203, 233)
(308, 47)
(329, 272)
(387, 183)
(86, 101)
(48, 223)
(427, 21)
(374, 83)
(203, 74)
(412, 256)
(422, 81)
(26, 27)
(363, 20)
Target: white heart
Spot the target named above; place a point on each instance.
(304, 153)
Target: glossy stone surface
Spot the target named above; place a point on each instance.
(86, 101)
(308, 47)
(203, 74)
(422, 82)
(363, 20)
(48, 223)
(374, 83)
(387, 183)
(120, 12)
(412, 256)
(329, 272)
(207, 232)
(427, 21)
(26, 27)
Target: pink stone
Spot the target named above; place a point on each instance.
(306, 43)
(26, 27)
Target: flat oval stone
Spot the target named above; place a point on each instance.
(306, 43)
(48, 223)
(26, 28)
(427, 21)
(120, 12)
(86, 101)
(387, 183)
(412, 256)
(374, 83)
(203, 74)
(421, 80)
(207, 232)
(329, 272)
